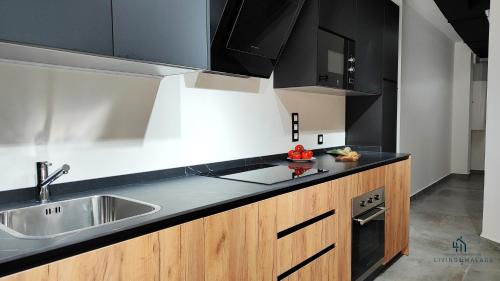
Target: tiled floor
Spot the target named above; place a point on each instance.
(446, 212)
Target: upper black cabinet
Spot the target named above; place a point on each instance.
(83, 26)
(165, 31)
(391, 39)
(242, 37)
(369, 45)
(338, 16)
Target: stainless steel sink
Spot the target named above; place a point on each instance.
(58, 218)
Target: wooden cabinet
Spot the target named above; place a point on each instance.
(64, 24)
(302, 244)
(337, 17)
(397, 190)
(240, 244)
(297, 236)
(181, 252)
(318, 270)
(369, 180)
(171, 254)
(307, 233)
(304, 204)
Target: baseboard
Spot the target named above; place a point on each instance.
(424, 190)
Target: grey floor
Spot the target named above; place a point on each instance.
(442, 214)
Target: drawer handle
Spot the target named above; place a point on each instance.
(306, 262)
(301, 225)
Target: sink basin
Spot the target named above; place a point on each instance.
(59, 218)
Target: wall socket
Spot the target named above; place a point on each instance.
(320, 139)
(295, 127)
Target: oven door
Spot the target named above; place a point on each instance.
(335, 61)
(368, 235)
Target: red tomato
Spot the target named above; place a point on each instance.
(309, 154)
(306, 155)
(290, 153)
(296, 155)
(299, 148)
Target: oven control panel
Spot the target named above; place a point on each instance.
(368, 201)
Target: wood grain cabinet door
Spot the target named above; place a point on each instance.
(397, 218)
(181, 252)
(321, 269)
(304, 204)
(240, 244)
(173, 254)
(40, 273)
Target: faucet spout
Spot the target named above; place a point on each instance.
(44, 180)
(55, 175)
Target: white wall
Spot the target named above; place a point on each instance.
(460, 133)
(491, 227)
(426, 95)
(105, 124)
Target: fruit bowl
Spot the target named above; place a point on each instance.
(301, 160)
(300, 154)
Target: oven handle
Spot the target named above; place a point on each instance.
(368, 219)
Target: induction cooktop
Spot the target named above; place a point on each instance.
(265, 173)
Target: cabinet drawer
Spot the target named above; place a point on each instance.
(306, 242)
(299, 206)
(320, 269)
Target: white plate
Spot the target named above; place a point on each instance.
(301, 160)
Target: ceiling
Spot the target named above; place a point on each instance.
(469, 20)
(429, 11)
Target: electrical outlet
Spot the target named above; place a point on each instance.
(320, 139)
(295, 127)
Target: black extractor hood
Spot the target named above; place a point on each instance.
(248, 36)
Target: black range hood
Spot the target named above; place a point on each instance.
(248, 36)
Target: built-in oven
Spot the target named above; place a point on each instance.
(336, 61)
(368, 234)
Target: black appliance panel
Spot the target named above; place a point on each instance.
(367, 243)
(262, 27)
(229, 54)
(336, 61)
(264, 173)
(368, 234)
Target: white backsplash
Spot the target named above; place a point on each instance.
(107, 124)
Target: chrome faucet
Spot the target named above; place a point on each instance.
(42, 191)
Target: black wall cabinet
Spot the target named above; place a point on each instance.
(372, 121)
(391, 39)
(338, 16)
(389, 116)
(369, 45)
(298, 65)
(61, 24)
(172, 32)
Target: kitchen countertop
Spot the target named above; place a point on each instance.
(181, 199)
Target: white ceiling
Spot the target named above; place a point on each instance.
(430, 11)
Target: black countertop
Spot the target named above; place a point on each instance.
(181, 199)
